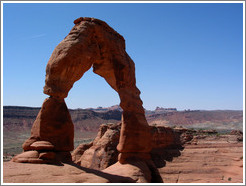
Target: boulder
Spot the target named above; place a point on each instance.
(138, 171)
(101, 153)
(28, 157)
(238, 133)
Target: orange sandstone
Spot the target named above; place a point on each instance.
(90, 43)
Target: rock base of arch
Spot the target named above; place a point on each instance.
(43, 157)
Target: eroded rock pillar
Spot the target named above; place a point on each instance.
(135, 132)
(119, 72)
(53, 124)
(52, 135)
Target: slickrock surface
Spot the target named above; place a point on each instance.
(209, 159)
(43, 173)
(133, 172)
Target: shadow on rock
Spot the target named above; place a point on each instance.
(141, 171)
(112, 178)
(160, 155)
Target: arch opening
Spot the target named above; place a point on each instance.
(90, 92)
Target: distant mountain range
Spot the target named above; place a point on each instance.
(21, 118)
(221, 120)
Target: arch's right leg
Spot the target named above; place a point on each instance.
(135, 137)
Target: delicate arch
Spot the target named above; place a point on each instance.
(91, 43)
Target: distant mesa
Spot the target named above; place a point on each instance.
(105, 109)
(165, 109)
(189, 110)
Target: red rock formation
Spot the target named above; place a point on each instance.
(53, 125)
(102, 153)
(238, 133)
(91, 43)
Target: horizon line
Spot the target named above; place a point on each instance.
(188, 109)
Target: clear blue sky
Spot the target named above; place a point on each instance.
(187, 56)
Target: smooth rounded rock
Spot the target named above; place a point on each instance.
(28, 157)
(47, 155)
(42, 145)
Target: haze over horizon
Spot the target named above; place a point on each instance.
(187, 55)
(115, 105)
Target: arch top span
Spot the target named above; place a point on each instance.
(101, 23)
(93, 43)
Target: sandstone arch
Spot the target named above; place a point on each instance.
(90, 43)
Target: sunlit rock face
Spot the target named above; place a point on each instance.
(90, 43)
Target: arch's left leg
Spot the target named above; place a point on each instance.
(53, 130)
